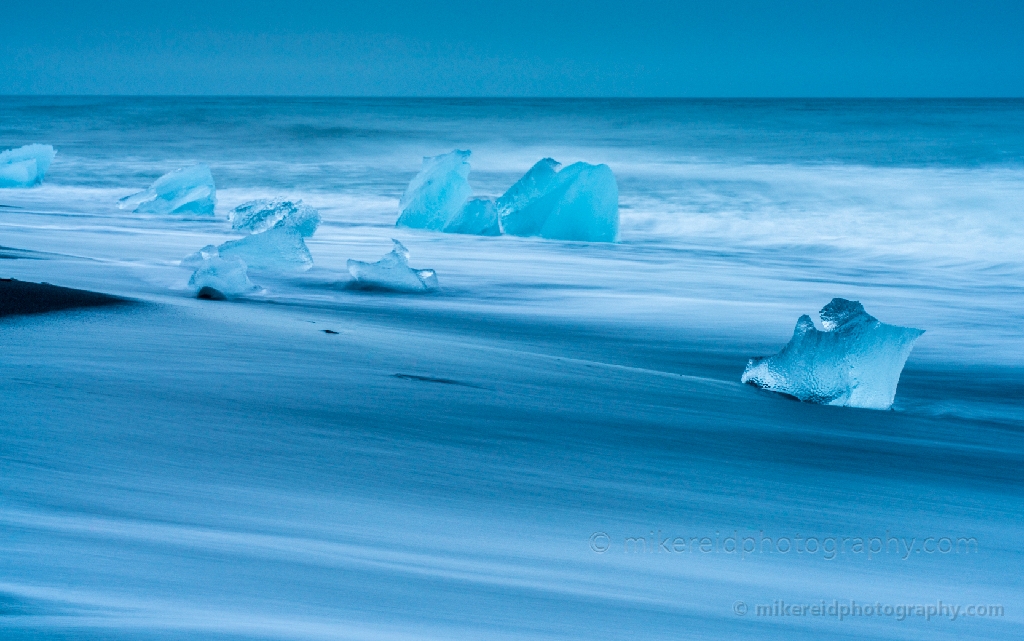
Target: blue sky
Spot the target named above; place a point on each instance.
(530, 48)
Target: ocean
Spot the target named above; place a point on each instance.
(555, 445)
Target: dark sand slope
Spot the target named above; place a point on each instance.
(19, 298)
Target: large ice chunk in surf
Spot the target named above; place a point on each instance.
(580, 202)
(260, 215)
(184, 191)
(855, 362)
(279, 248)
(477, 217)
(392, 273)
(436, 195)
(25, 166)
(228, 277)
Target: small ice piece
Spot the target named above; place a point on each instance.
(260, 215)
(477, 217)
(278, 248)
(580, 202)
(193, 261)
(184, 191)
(534, 184)
(436, 195)
(25, 166)
(855, 362)
(226, 277)
(392, 273)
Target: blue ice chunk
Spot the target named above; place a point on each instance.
(512, 206)
(580, 202)
(436, 195)
(185, 191)
(25, 166)
(260, 215)
(855, 362)
(477, 217)
(392, 273)
(278, 249)
(228, 277)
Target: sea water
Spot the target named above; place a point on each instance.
(540, 448)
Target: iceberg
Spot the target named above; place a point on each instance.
(855, 362)
(185, 191)
(534, 184)
(198, 258)
(260, 215)
(217, 278)
(278, 248)
(392, 273)
(477, 217)
(437, 194)
(25, 166)
(580, 202)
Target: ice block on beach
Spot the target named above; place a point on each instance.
(392, 273)
(185, 191)
(580, 202)
(278, 249)
(855, 362)
(227, 277)
(25, 166)
(437, 194)
(260, 215)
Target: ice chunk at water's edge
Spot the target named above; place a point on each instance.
(260, 215)
(511, 207)
(229, 277)
(477, 217)
(187, 190)
(278, 248)
(855, 362)
(25, 166)
(392, 273)
(199, 257)
(436, 195)
(580, 202)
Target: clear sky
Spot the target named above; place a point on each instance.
(528, 48)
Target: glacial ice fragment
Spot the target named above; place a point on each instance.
(477, 217)
(436, 195)
(278, 248)
(393, 273)
(855, 362)
(260, 215)
(227, 277)
(187, 190)
(25, 166)
(535, 183)
(580, 202)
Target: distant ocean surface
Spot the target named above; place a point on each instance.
(598, 384)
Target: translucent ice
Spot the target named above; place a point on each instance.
(534, 184)
(580, 202)
(260, 215)
(393, 273)
(228, 277)
(278, 248)
(436, 195)
(25, 166)
(188, 190)
(855, 362)
(477, 217)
